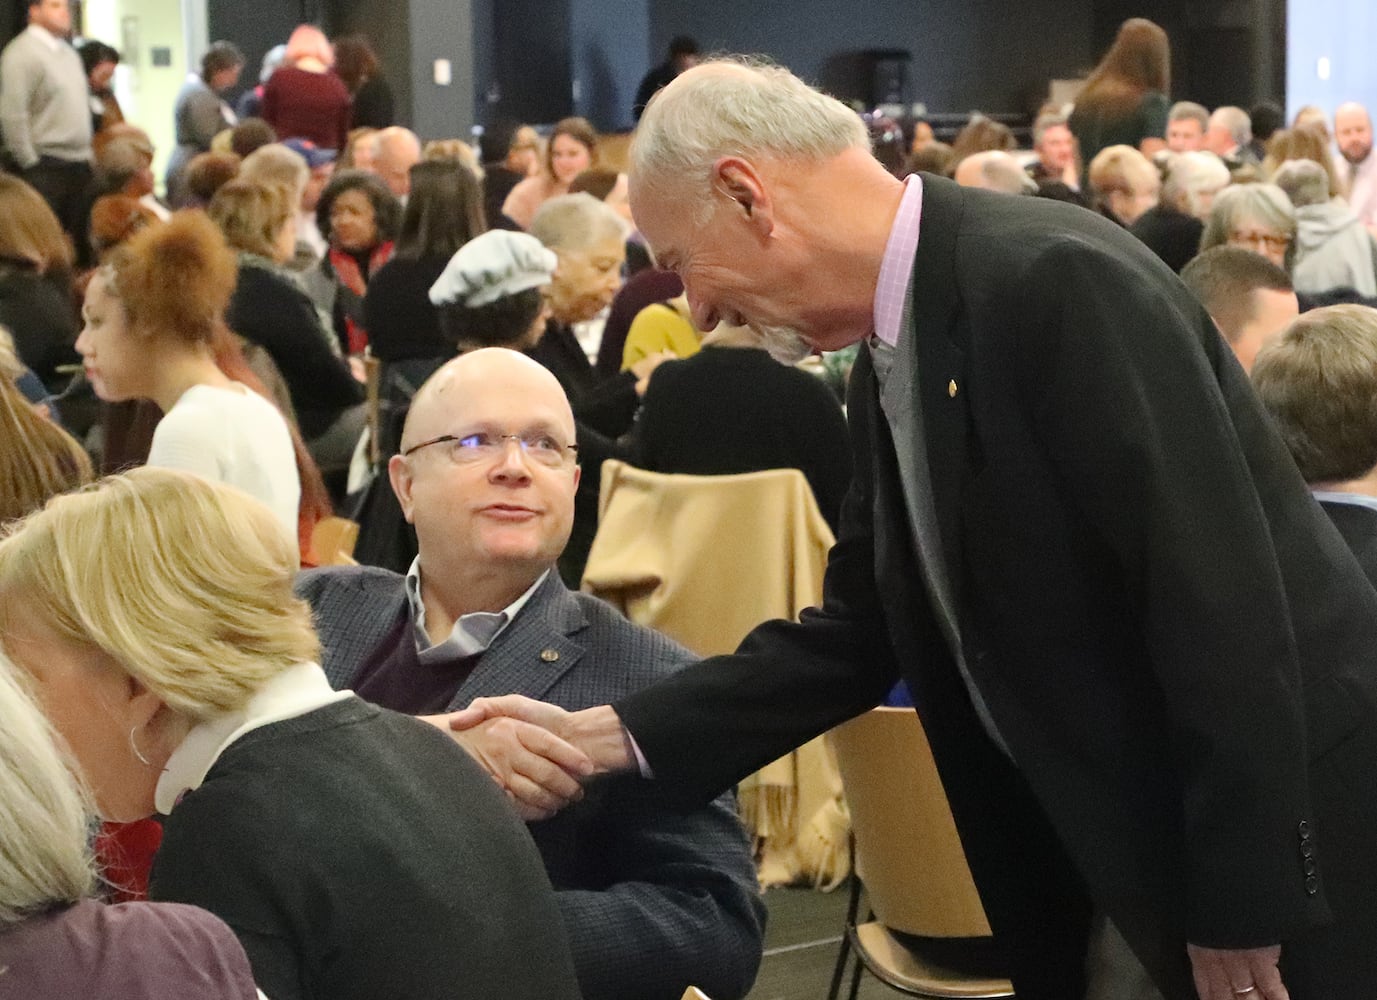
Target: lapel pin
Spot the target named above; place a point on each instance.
(951, 388)
(549, 655)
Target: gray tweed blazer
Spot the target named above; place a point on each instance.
(654, 899)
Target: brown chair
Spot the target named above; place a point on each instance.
(909, 857)
(332, 541)
(694, 993)
(705, 559)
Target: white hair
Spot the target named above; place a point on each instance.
(1189, 175)
(1304, 182)
(576, 222)
(736, 106)
(1235, 121)
(998, 171)
(44, 814)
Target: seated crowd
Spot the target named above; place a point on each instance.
(326, 314)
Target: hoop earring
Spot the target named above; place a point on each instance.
(135, 747)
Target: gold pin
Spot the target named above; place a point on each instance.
(549, 655)
(951, 388)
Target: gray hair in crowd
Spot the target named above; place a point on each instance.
(1184, 110)
(1304, 181)
(576, 222)
(736, 106)
(1236, 121)
(44, 814)
(1189, 175)
(999, 171)
(1265, 204)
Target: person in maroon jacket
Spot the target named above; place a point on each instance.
(303, 99)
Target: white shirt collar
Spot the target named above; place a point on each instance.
(1352, 499)
(296, 691)
(472, 634)
(47, 37)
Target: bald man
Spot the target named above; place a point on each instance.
(994, 170)
(395, 151)
(653, 900)
(1353, 135)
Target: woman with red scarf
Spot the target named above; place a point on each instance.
(359, 217)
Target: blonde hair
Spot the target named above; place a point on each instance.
(736, 106)
(38, 459)
(185, 583)
(44, 813)
(280, 165)
(251, 215)
(1120, 168)
(31, 233)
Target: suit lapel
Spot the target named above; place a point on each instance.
(533, 652)
(927, 385)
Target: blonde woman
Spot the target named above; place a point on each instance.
(153, 315)
(572, 149)
(359, 854)
(56, 941)
(38, 459)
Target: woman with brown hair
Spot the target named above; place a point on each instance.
(1304, 142)
(153, 313)
(38, 459)
(36, 302)
(1124, 102)
(572, 149)
(357, 65)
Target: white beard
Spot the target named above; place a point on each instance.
(783, 343)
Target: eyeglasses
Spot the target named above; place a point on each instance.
(480, 446)
(1270, 240)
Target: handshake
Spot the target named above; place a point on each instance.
(540, 754)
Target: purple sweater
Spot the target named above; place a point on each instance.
(134, 951)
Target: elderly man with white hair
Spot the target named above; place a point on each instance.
(994, 170)
(1172, 227)
(395, 151)
(1228, 136)
(1145, 662)
(1334, 249)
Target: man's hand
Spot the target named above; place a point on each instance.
(539, 771)
(1225, 974)
(596, 732)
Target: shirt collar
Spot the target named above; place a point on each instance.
(896, 267)
(472, 634)
(1352, 499)
(296, 691)
(47, 37)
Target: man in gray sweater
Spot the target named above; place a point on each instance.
(43, 111)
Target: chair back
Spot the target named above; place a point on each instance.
(704, 559)
(908, 852)
(332, 541)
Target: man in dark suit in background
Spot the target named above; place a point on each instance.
(1319, 383)
(683, 54)
(1143, 657)
(654, 900)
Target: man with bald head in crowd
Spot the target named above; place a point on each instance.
(653, 899)
(994, 170)
(1072, 531)
(1353, 135)
(395, 151)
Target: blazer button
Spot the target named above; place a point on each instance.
(1304, 830)
(1312, 885)
(549, 655)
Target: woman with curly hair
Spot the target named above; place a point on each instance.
(153, 314)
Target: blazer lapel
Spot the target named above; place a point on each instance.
(533, 652)
(929, 377)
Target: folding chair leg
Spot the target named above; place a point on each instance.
(855, 977)
(837, 972)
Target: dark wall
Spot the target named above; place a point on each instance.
(988, 55)
(255, 27)
(387, 27)
(609, 43)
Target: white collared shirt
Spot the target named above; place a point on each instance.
(294, 692)
(472, 634)
(1352, 499)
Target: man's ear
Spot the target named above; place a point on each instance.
(739, 181)
(399, 472)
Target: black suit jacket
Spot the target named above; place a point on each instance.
(1173, 642)
(654, 900)
(1358, 526)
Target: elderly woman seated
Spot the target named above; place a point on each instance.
(1256, 217)
(1171, 229)
(356, 853)
(56, 940)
